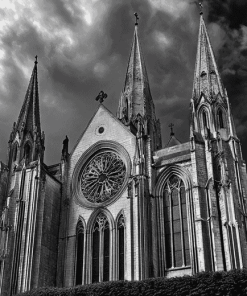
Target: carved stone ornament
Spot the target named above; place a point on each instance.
(102, 177)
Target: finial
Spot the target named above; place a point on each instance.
(171, 125)
(36, 60)
(201, 7)
(137, 18)
(101, 96)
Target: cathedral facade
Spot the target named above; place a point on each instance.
(119, 206)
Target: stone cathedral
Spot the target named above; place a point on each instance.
(119, 205)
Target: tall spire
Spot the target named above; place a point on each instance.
(206, 77)
(29, 116)
(136, 96)
(26, 132)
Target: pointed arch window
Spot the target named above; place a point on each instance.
(121, 243)
(127, 108)
(205, 119)
(101, 249)
(177, 252)
(220, 119)
(205, 124)
(79, 252)
(27, 152)
(15, 152)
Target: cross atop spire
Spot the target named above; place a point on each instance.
(201, 8)
(137, 18)
(171, 125)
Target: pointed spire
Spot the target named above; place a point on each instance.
(29, 117)
(206, 77)
(27, 129)
(136, 97)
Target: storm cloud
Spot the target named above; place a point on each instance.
(83, 47)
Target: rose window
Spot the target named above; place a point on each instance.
(102, 177)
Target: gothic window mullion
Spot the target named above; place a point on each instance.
(181, 226)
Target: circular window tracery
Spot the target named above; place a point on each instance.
(102, 177)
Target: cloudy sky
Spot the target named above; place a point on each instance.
(83, 47)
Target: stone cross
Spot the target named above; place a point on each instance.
(137, 18)
(171, 125)
(201, 7)
(101, 97)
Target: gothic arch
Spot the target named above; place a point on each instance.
(205, 118)
(182, 173)
(120, 223)
(91, 248)
(15, 151)
(94, 215)
(80, 233)
(186, 229)
(27, 148)
(221, 117)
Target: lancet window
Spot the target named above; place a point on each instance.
(27, 152)
(177, 252)
(101, 249)
(14, 152)
(121, 243)
(220, 119)
(79, 252)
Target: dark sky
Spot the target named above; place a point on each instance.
(83, 47)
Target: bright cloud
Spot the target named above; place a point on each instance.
(162, 39)
(173, 7)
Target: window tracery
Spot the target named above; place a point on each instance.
(101, 249)
(102, 177)
(175, 224)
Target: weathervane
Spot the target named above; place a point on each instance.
(101, 96)
(201, 7)
(137, 18)
(171, 125)
(36, 59)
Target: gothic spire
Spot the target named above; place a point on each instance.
(136, 97)
(206, 77)
(26, 132)
(29, 117)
